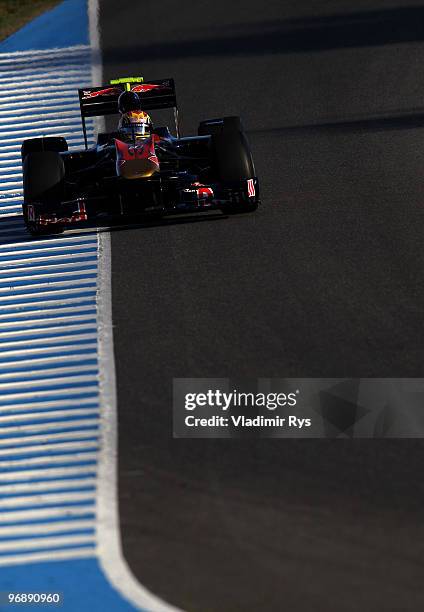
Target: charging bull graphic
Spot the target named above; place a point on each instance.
(108, 91)
(115, 91)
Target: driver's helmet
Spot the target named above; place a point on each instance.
(134, 122)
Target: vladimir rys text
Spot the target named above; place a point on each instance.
(234, 401)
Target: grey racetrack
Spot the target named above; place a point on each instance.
(325, 280)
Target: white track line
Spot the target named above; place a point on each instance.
(45, 373)
(61, 267)
(46, 473)
(68, 102)
(68, 405)
(47, 321)
(40, 529)
(14, 289)
(34, 543)
(63, 348)
(42, 499)
(71, 240)
(49, 415)
(70, 423)
(65, 555)
(31, 501)
(82, 445)
(52, 76)
(110, 553)
(45, 513)
(37, 487)
(24, 441)
(40, 120)
(45, 341)
(77, 458)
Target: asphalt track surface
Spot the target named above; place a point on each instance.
(324, 280)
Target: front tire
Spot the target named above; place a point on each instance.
(232, 162)
(47, 143)
(43, 178)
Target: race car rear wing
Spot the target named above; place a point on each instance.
(102, 101)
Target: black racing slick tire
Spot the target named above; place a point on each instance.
(232, 156)
(43, 174)
(232, 162)
(43, 177)
(49, 143)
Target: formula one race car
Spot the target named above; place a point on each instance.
(138, 169)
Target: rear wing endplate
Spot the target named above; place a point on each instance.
(102, 101)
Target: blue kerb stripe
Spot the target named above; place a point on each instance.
(71, 396)
(47, 298)
(45, 521)
(55, 425)
(66, 422)
(50, 534)
(51, 377)
(30, 455)
(48, 270)
(46, 307)
(47, 316)
(48, 354)
(68, 319)
(62, 488)
(36, 281)
(52, 263)
(49, 454)
(50, 505)
(48, 335)
(24, 265)
(46, 410)
(61, 464)
(46, 479)
(38, 388)
(52, 253)
(52, 442)
(70, 243)
(43, 276)
(50, 398)
(51, 289)
(59, 430)
(55, 548)
(37, 369)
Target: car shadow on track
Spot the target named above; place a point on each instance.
(401, 120)
(13, 230)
